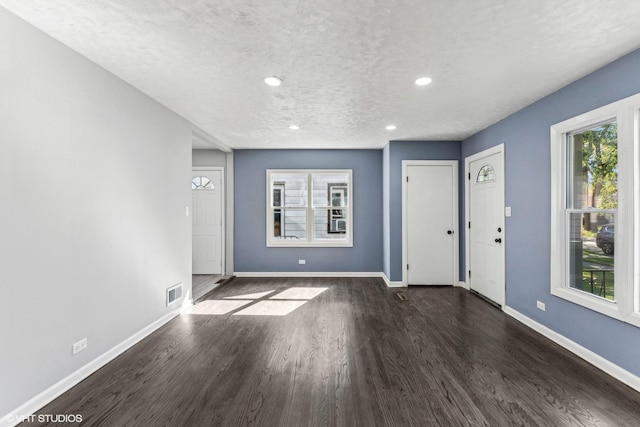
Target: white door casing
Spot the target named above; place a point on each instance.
(207, 223)
(485, 238)
(429, 222)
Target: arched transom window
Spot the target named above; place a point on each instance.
(202, 183)
(486, 174)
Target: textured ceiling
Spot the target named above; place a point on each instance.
(348, 66)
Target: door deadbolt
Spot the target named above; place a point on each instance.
(449, 231)
(498, 240)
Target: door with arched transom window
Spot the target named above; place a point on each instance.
(486, 227)
(207, 234)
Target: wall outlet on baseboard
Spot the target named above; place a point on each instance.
(79, 346)
(541, 306)
(302, 261)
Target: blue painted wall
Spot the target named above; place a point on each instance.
(251, 253)
(396, 152)
(527, 154)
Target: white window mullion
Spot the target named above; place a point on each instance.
(624, 235)
(635, 194)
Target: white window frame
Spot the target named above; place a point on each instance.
(627, 239)
(310, 241)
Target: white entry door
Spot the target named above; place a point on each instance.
(430, 208)
(207, 191)
(486, 238)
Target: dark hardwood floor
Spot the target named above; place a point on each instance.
(202, 284)
(354, 355)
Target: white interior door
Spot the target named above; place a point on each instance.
(431, 212)
(486, 228)
(207, 221)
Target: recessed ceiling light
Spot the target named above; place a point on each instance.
(391, 127)
(273, 81)
(423, 81)
(294, 127)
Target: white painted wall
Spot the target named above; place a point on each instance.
(94, 180)
(206, 158)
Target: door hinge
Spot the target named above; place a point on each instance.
(407, 266)
(469, 273)
(407, 178)
(469, 176)
(469, 224)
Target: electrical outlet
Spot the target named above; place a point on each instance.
(79, 346)
(302, 261)
(541, 306)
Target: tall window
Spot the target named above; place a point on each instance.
(309, 208)
(594, 210)
(592, 201)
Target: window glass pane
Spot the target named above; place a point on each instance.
(201, 183)
(591, 253)
(330, 224)
(294, 189)
(330, 190)
(290, 224)
(486, 173)
(278, 191)
(593, 168)
(278, 230)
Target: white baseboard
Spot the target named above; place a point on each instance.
(396, 284)
(390, 284)
(384, 277)
(596, 360)
(462, 285)
(40, 400)
(306, 274)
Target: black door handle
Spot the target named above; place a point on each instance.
(449, 232)
(498, 240)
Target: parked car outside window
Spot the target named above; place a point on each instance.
(605, 238)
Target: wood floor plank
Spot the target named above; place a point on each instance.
(353, 355)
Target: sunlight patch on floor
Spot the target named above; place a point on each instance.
(299, 293)
(270, 308)
(257, 295)
(217, 306)
(257, 304)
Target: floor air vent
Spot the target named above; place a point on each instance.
(174, 293)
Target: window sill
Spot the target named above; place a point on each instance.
(584, 299)
(309, 245)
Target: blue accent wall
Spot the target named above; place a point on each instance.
(396, 152)
(251, 253)
(527, 162)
